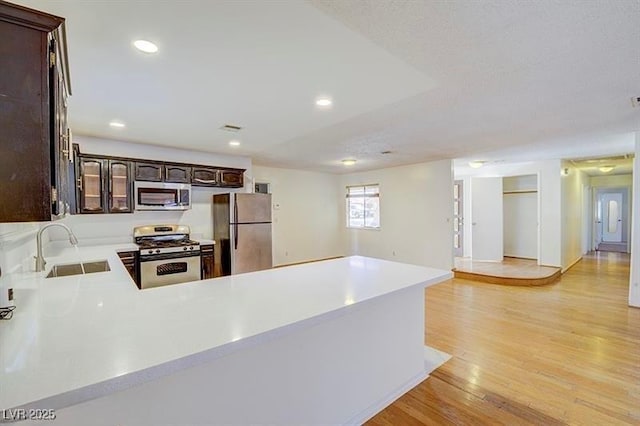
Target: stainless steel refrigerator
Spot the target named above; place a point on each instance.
(242, 231)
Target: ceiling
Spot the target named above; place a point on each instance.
(425, 80)
(619, 165)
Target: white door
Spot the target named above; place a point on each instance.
(612, 217)
(486, 219)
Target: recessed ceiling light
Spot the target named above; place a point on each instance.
(145, 46)
(349, 162)
(324, 102)
(607, 169)
(116, 124)
(234, 143)
(476, 164)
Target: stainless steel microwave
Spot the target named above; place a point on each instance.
(162, 196)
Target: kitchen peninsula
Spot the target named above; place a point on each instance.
(326, 342)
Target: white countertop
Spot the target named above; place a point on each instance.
(203, 241)
(80, 337)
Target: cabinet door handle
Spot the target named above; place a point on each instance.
(205, 181)
(65, 144)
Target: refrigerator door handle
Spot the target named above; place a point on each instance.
(235, 221)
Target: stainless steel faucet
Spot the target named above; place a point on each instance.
(40, 262)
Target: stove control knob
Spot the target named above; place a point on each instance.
(185, 249)
(157, 250)
(191, 248)
(150, 251)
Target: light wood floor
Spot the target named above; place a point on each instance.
(566, 353)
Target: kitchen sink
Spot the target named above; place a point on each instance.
(76, 268)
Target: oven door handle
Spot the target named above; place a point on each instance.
(165, 256)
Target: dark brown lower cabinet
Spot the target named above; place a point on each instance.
(207, 262)
(130, 261)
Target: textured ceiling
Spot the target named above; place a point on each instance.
(423, 79)
(512, 77)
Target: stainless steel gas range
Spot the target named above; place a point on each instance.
(167, 255)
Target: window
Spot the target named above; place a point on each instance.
(262, 188)
(363, 206)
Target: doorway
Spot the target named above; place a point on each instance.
(612, 220)
(520, 212)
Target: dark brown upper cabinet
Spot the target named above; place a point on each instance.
(119, 198)
(205, 176)
(104, 185)
(177, 174)
(91, 183)
(34, 163)
(231, 178)
(118, 173)
(149, 171)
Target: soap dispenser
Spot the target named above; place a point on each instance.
(6, 293)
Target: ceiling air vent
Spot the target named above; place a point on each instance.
(635, 101)
(231, 128)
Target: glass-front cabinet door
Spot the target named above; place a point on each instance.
(119, 196)
(90, 186)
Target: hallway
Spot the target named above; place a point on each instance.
(563, 353)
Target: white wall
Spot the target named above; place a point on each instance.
(611, 181)
(90, 145)
(549, 199)
(17, 244)
(416, 212)
(307, 219)
(572, 214)
(634, 285)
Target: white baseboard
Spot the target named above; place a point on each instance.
(433, 359)
(571, 264)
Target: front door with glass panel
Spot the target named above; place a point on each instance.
(458, 222)
(611, 217)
